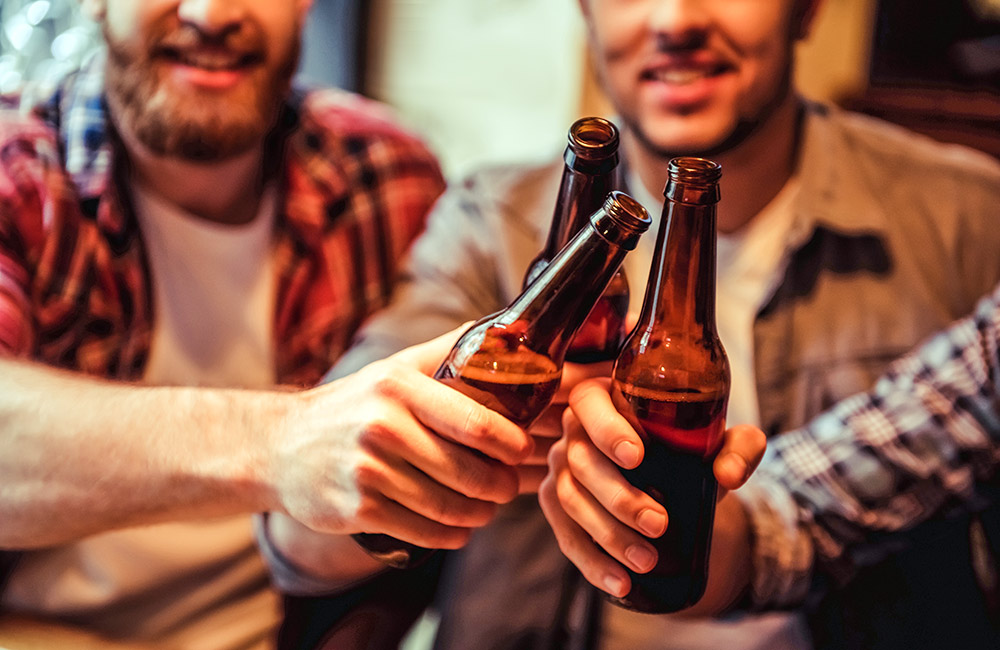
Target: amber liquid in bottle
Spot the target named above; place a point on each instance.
(512, 361)
(671, 381)
(589, 175)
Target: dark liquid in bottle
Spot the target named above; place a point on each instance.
(681, 432)
(518, 387)
(601, 335)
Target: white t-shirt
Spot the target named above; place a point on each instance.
(194, 585)
(749, 264)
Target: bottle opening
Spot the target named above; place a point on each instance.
(694, 170)
(593, 137)
(693, 180)
(627, 211)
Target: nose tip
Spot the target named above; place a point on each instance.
(215, 18)
(679, 23)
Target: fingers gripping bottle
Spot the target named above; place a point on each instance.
(512, 361)
(671, 381)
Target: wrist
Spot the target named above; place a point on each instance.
(264, 417)
(236, 432)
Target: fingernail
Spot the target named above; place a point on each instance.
(642, 557)
(627, 454)
(614, 585)
(651, 522)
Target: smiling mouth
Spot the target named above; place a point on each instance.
(679, 75)
(212, 60)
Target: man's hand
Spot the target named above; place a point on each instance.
(389, 450)
(547, 429)
(586, 499)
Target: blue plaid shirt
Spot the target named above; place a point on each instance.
(918, 444)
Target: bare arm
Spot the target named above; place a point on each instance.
(383, 450)
(83, 455)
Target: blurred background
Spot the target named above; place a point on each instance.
(500, 80)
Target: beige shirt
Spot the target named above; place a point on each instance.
(192, 585)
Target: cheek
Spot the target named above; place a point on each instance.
(621, 29)
(126, 21)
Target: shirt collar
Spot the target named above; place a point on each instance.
(80, 111)
(834, 192)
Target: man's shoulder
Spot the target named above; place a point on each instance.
(516, 184)
(27, 143)
(20, 125)
(899, 150)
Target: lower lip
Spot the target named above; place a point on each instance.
(684, 95)
(212, 79)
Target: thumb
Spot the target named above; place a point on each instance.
(426, 357)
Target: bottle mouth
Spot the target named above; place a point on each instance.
(593, 138)
(694, 181)
(627, 212)
(688, 169)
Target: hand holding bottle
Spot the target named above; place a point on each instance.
(547, 429)
(390, 449)
(512, 361)
(586, 498)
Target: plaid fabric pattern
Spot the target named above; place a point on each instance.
(916, 445)
(74, 280)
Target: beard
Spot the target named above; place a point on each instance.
(744, 128)
(201, 126)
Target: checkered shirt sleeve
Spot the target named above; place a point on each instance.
(829, 495)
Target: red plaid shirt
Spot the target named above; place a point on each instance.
(74, 278)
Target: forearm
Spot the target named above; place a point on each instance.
(83, 455)
(880, 462)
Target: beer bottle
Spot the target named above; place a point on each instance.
(511, 361)
(671, 381)
(589, 174)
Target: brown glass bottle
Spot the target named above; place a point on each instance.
(589, 174)
(511, 361)
(671, 381)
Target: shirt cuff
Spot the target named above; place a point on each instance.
(782, 549)
(289, 578)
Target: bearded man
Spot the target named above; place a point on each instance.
(176, 215)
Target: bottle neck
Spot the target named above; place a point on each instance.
(581, 192)
(680, 294)
(555, 305)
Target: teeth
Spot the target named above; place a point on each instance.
(676, 76)
(209, 60)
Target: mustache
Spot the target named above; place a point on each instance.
(243, 38)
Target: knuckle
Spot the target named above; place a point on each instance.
(379, 429)
(476, 424)
(607, 539)
(566, 493)
(570, 546)
(368, 510)
(475, 480)
(443, 511)
(577, 455)
(557, 455)
(622, 501)
(388, 381)
(368, 475)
